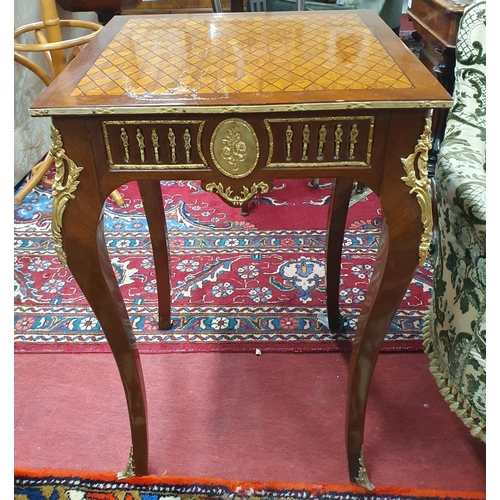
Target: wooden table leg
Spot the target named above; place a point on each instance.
(404, 195)
(153, 208)
(79, 242)
(394, 268)
(339, 205)
(245, 208)
(88, 260)
(360, 187)
(393, 272)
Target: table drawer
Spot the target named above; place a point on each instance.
(236, 146)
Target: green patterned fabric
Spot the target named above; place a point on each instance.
(455, 329)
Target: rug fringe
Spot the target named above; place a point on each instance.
(242, 488)
(457, 403)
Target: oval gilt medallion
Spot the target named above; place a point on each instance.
(234, 148)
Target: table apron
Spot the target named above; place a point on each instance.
(239, 157)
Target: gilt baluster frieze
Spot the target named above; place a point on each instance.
(350, 144)
(138, 144)
(235, 148)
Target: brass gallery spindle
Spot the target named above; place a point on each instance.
(187, 145)
(124, 139)
(288, 139)
(321, 140)
(156, 145)
(353, 139)
(306, 133)
(338, 139)
(171, 142)
(141, 143)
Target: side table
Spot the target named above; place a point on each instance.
(237, 101)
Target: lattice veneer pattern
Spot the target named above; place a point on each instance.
(253, 53)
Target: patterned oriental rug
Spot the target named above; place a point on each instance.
(239, 282)
(53, 485)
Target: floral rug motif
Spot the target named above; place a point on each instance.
(238, 282)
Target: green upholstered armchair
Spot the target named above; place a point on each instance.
(455, 329)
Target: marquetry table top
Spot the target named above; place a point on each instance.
(249, 59)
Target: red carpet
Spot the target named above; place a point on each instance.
(235, 416)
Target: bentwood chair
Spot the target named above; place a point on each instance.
(50, 41)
